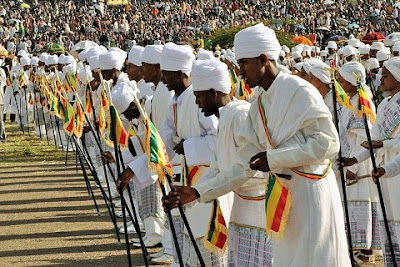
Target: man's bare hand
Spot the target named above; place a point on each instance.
(259, 162)
(350, 175)
(378, 174)
(182, 194)
(375, 144)
(179, 148)
(107, 157)
(124, 180)
(348, 162)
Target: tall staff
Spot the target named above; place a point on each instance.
(361, 104)
(342, 178)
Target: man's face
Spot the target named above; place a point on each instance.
(206, 101)
(388, 82)
(331, 51)
(132, 112)
(134, 72)
(59, 67)
(107, 74)
(396, 53)
(151, 72)
(372, 53)
(347, 86)
(252, 70)
(172, 79)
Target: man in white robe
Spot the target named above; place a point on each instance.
(385, 134)
(301, 141)
(248, 243)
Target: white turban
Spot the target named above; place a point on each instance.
(217, 54)
(61, 59)
(25, 61)
(203, 54)
(152, 54)
(298, 66)
(94, 62)
(22, 53)
(348, 70)
(85, 74)
(69, 69)
(377, 46)
(354, 42)
(382, 55)
(177, 58)
(364, 49)
(396, 47)
(309, 63)
(282, 53)
(296, 55)
(372, 64)
(111, 60)
(255, 41)
(223, 51)
(283, 68)
(210, 74)
(82, 55)
(94, 51)
(43, 57)
(52, 60)
(69, 60)
(34, 61)
(119, 50)
(135, 55)
(393, 65)
(122, 97)
(321, 71)
(332, 45)
(285, 48)
(349, 50)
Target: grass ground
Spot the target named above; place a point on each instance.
(47, 217)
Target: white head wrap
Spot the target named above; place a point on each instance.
(217, 53)
(296, 55)
(52, 60)
(22, 53)
(210, 74)
(332, 45)
(25, 61)
(69, 69)
(223, 51)
(34, 61)
(119, 50)
(135, 55)
(283, 68)
(349, 50)
(396, 47)
(377, 46)
(372, 64)
(309, 63)
(364, 49)
(285, 48)
(393, 65)
(112, 60)
(94, 62)
(82, 55)
(354, 42)
(85, 74)
(255, 41)
(152, 54)
(43, 57)
(70, 60)
(122, 98)
(321, 71)
(282, 53)
(177, 58)
(382, 55)
(348, 70)
(61, 59)
(203, 54)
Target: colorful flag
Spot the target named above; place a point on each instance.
(21, 79)
(342, 98)
(365, 105)
(216, 238)
(234, 81)
(88, 101)
(157, 156)
(62, 106)
(8, 81)
(31, 100)
(73, 81)
(278, 201)
(117, 130)
(79, 120)
(245, 91)
(69, 119)
(104, 106)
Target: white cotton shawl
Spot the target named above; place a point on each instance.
(188, 124)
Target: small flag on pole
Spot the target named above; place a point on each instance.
(365, 105)
(216, 238)
(117, 130)
(342, 98)
(69, 119)
(79, 120)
